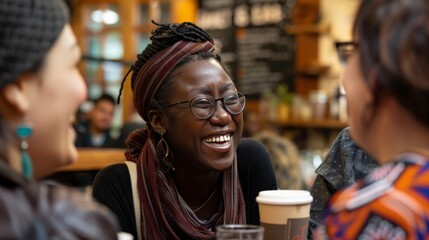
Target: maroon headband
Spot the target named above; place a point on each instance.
(158, 67)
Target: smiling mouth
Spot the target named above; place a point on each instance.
(226, 138)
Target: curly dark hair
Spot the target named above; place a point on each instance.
(393, 40)
(105, 97)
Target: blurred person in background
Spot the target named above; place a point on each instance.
(283, 152)
(94, 131)
(386, 80)
(40, 91)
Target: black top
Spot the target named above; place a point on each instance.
(112, 185)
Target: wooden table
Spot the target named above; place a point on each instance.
(95, 159)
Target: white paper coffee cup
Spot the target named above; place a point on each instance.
(284, 213)
(125, 236)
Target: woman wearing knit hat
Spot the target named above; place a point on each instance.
(40, 90)
(193, 171)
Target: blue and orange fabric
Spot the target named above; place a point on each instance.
(390, 203)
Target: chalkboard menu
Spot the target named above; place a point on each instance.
(253, 43)
(216, 17)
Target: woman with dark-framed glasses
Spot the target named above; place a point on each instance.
(189, 170)
(386, 80)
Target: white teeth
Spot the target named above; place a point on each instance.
(219, 139)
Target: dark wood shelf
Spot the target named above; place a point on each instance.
(321, 124)
(301, 29)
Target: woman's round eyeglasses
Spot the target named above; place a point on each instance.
(203, 107)
(345, 50)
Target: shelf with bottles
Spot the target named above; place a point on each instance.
(318, 111)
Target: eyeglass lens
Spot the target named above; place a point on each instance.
(204, 107)
(345, 51)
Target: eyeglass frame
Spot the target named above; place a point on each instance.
(343, 54)
(222, 99)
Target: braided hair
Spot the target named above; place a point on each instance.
(163, 37)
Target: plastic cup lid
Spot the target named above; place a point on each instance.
(284, 197)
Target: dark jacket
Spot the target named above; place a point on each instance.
(83, 137)
(33, 210)
(345, 163)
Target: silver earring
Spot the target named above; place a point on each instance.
(163, 154)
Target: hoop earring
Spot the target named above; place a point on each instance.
(24, 131)
(163, 154)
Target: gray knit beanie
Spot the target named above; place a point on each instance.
(28, 29)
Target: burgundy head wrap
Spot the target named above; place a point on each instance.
(158, 67)
(165, 215)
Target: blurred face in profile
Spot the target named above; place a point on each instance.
(54, 95)
(101, 115)
(358, 98)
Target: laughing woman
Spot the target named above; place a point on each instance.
(194, 171)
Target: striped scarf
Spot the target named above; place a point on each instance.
(164, 214)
